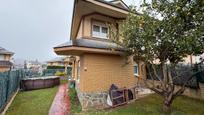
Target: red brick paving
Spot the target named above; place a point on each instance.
(61, 103)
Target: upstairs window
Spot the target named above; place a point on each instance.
(99, 30)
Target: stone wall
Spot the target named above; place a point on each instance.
(195, 93)
(96, 100)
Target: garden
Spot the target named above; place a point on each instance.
(150, 105)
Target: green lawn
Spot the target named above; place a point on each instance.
(152, 104)
(36, 102)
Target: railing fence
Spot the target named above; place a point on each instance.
(9, 83)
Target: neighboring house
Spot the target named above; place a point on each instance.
(191, 59)
(33, 65)
(58, 61)
(5, 60)
(98, 62)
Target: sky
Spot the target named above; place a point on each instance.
(31, 28)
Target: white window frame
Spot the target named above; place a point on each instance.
(100, 34)
(136, 74)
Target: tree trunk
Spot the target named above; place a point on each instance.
(167, 103)
(166, 107)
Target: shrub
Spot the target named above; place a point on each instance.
(55, 67)
(75, 104)
(58, 73)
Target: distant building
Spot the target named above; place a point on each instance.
(59, 61)
(5, 60)
(192, 59)
(33, 65)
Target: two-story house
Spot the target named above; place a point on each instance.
(98, 62)
(60, 62)
(5, 60)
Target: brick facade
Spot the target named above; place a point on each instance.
(98, 72)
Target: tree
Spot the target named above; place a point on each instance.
(165, 32)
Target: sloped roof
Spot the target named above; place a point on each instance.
(89, 43)
(4, 51)
(57, 59)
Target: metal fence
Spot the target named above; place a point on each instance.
(183, 74)
(9, 83)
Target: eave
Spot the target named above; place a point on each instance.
(75, 50)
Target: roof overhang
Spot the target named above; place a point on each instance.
(87, 7)
(74, 50)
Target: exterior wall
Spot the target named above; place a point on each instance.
(85, 29)
(190, 92)
(7, 57)
(73, 69)
(195, 93)
(97, 100)
(80, 32)
(99, 72)
(3, 69)
(195, 59)
(75, 66)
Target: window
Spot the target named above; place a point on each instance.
(96, 28)
(136, 70)
(99, 31)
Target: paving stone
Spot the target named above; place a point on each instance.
(61, 102)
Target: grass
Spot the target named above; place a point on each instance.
(75, 104)
(36, 102)
(151, 105)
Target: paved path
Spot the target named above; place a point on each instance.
(61, 103)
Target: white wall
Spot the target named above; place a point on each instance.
(1, 57)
